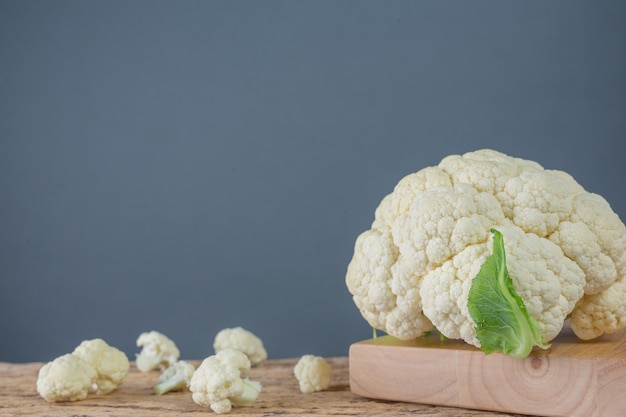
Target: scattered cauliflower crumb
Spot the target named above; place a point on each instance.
(110, 363)
(67, 378)
(221, 381)
(157, 350)
(313, 374)
(242, 340)
(175, 378)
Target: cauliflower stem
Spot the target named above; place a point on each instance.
(175, 378)
(169, 385)
(251, 390)
(502, 321)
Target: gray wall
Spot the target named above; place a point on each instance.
(190, 166)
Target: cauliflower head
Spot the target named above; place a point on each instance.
(110, 363)
(313, 374)
(566, 249)
(66, 378)
(242, 340)
(157, 351)
(221, 382)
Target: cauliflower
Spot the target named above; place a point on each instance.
(313, 374)
(221, 381)
(414, 268)
(242, 340)
(157, 350)
(93, 366)
(67, 378)
(110, 363)
(175, 378)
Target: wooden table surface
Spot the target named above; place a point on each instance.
(280, 396)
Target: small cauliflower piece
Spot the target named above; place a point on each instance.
(158, 351)
(110, 363)
(313, 374)
(221, 382)
(67, 378)
(242, 340)
(175, 378)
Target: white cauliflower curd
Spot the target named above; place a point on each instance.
(157, 351)
(565, 250)
(67, 378)
(313, 374)
(242, 340)
(110, 363)
(94, 366)
(221, 382)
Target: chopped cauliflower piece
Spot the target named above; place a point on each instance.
(242, 340)
(221, 382)
(67, 378)
(110, 363)
(313, 374)
(175, 378)
(158, 351)
(94, 366)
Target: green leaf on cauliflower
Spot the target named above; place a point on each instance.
(502, 320)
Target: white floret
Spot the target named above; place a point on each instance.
(444, 291)
(399, 202)
(175, 378)
(600, 313)
(313, 374)
(66, 378)
(444, 221)
(242, 340)
(158, 351)
(221, 382)
(110, 363)
(384, 287)
(548, 282)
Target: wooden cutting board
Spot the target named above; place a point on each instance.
(572, 378)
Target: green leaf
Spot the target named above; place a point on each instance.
(502, 321)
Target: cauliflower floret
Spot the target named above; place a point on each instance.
(158, 351)
(384, 287)
(550, 286)
(595, 238)
(600, 313)
(444, 221)
(67, 378)
(242, 340)
(175, 378)
(566, 249)
(221, 382)
(399, 202)
(110, 363)
(313, 374)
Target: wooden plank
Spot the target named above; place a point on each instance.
(572, 378)
(280, 396)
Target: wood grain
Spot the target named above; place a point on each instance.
(572, 378)
(280, 396)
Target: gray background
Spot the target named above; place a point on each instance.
(190, 166)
